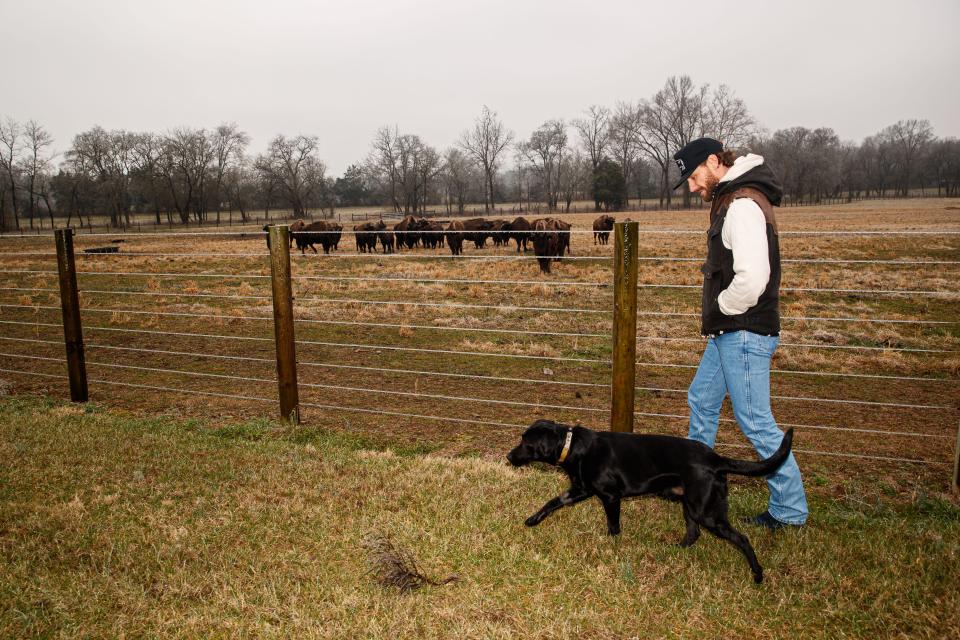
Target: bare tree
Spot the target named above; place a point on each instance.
(10, 132)
(626, 141)
(36, 165)
(106, 157)
(458, 177)
(484, 143)
(149, 173)
(544, 152)
(229, 144)
(578, 175)
(910, 140)
(727, 119)
(292, 164)
(594, 130)
(190, 154)
(383, 164)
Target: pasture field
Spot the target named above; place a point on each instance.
(174, 505)
(120, 526)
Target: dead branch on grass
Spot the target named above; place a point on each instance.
(394, 566)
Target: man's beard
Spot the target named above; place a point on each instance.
(711, 186)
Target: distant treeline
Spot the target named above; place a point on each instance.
(610, 155)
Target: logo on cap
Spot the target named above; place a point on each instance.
(680, 165)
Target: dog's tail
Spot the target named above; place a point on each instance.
(763, 467)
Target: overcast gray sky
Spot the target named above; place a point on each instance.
(340, 70)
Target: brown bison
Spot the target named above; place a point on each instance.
(455, 237)
(563, 246)
(546, 242)
(326, 234)
(407, 231)
(562, 230)
(432, 235)
(386, 240)
(366, 235)
(602, 227)
(519, 231)
(499, 233)
(477, 230)
(295, 226)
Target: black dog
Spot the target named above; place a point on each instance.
(613, 466)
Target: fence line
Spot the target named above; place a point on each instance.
(500, 256)
(462, 398)
(477, 281)
(428, 417)
(452, 305)
(484, 377)
(482, 354)
(476, 329)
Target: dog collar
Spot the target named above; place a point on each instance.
(566, 446)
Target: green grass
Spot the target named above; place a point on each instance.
(112, 526)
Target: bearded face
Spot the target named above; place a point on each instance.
(704, 181)
(711, 181)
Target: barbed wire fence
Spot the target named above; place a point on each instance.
(599, 365)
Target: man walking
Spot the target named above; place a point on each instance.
(740, 316)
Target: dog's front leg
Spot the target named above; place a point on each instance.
(572, 496)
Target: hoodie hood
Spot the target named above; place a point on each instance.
(750, 171)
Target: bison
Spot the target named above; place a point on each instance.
(295, 226)
(407, 232)
(386, 240)
(455, 237)
(563, 245)
(432, 235)
(336, 232)
(477, 230)
(602, 227)
(366, 235)
(499, 233)
(546, 242)
(326, 234)
(519, 231)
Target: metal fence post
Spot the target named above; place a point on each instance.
(283, 323)
(624, 325)
(70, 304)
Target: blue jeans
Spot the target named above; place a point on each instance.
(738, 363)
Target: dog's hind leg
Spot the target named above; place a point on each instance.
(722, 529)
(571, 497)
(693, 529)
(611, 506)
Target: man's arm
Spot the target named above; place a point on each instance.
(745, 234)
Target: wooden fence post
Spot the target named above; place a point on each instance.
(283, 323)
(70, 305)
(624, 325)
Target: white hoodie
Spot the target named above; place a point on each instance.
(745, 234)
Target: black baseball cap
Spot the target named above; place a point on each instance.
(693, 155)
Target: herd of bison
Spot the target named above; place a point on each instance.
(550, 237)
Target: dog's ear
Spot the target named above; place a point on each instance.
(545, 436)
